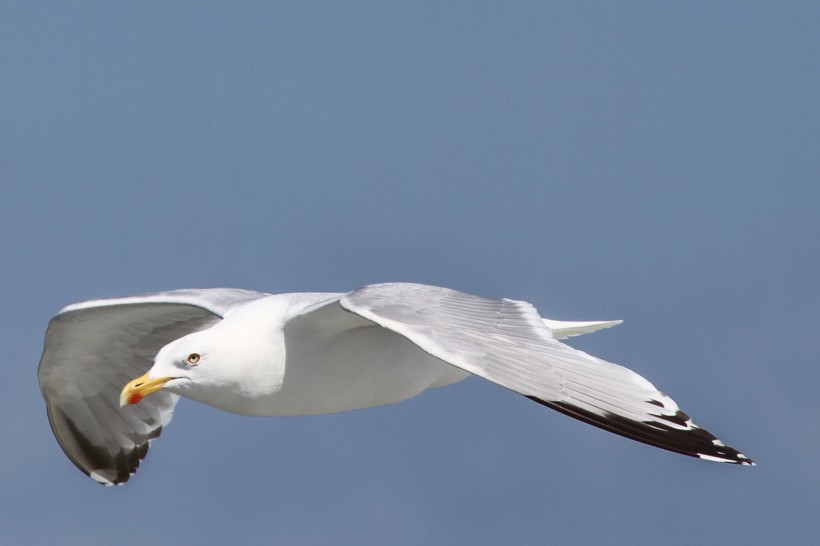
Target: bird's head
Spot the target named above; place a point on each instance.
(231, 368)
(177, 368)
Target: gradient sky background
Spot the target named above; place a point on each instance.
(652, 162)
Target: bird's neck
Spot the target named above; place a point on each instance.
(252, 363)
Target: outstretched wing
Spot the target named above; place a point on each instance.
(92, 349)
(506, 342)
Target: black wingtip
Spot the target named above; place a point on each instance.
(686, 438)
(95, 461)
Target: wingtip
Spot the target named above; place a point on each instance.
(741, 459)
(726, 454)
(676, 433)
(102, 480)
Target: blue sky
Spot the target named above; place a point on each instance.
(652, 162)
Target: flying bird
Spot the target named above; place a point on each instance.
(112, 370)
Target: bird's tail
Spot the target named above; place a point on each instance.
(562, 329)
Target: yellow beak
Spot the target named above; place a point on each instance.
(141, 387)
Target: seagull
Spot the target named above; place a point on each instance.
(255, 353)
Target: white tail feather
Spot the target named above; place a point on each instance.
(562, 329)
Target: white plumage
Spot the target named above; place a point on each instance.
(305, 353)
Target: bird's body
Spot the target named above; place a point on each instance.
(328, 363)
(307, 353)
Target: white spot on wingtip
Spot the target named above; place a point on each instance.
(746, 460)
(97, 477)
(715, 459)
(741, 459)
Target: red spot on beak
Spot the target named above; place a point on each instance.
(134, 398)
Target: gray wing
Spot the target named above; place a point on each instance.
(92, 349)
(507, 342)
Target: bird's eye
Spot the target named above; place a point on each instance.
(193, 359)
